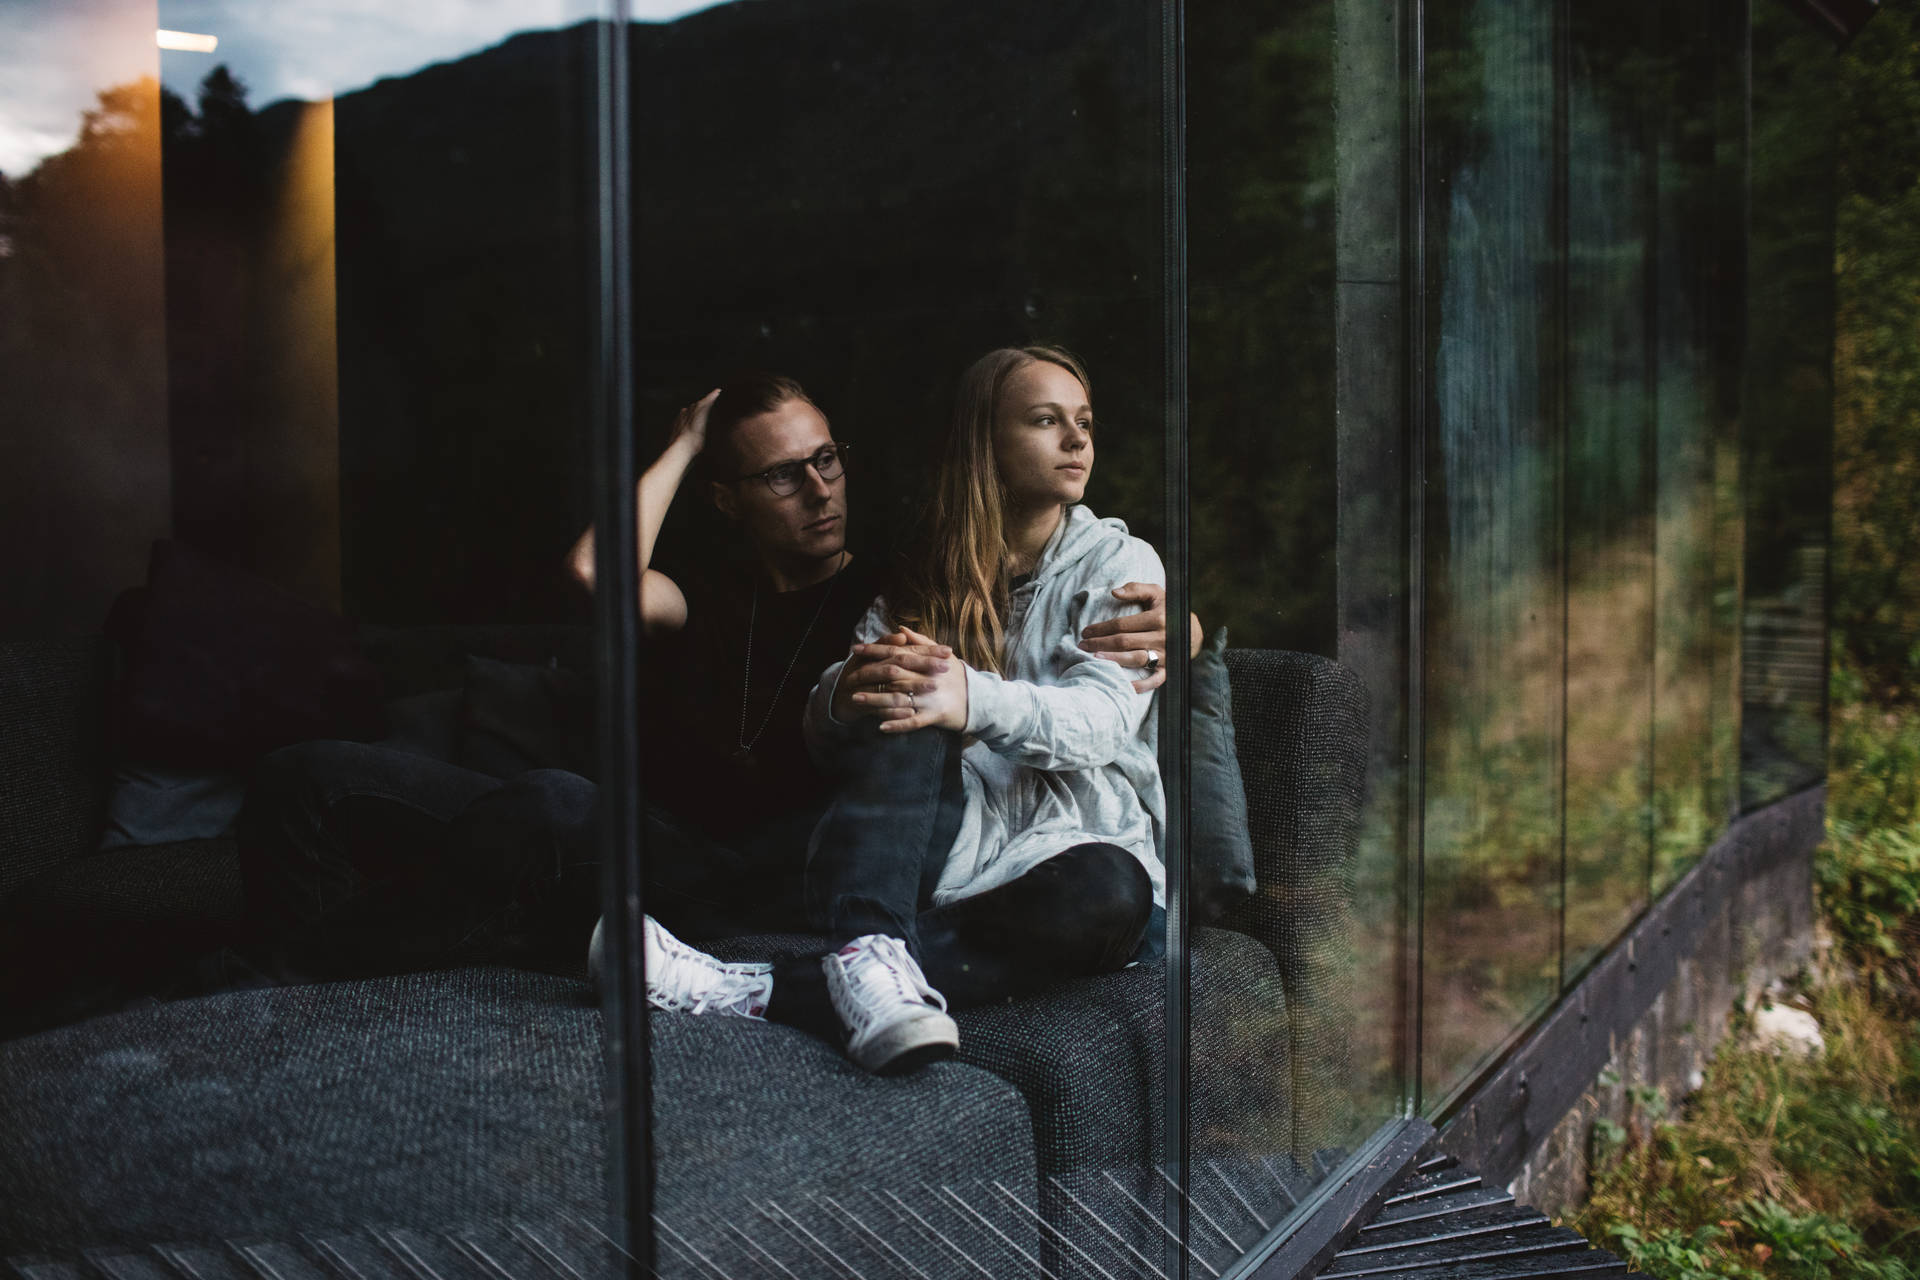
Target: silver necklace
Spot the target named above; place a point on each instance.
(744, 755)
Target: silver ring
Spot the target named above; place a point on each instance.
(1153, 661)
(912, 705)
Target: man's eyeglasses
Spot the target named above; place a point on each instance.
(786, 477)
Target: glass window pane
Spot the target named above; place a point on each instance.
(1296, 1020)
(1493, 563)
(1686, 79)
(867, 205)
(1788, 413)
(304, 315)
(1609, 508)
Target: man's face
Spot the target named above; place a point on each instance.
(810, 524)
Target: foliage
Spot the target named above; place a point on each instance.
(1876, 578)
(1779, 1166)
(1873, 757)
(1868, 872)
(1782, 1166)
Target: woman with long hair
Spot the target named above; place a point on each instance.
(971, 694)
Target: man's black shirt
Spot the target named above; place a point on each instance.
(694, 680)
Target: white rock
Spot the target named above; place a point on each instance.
(1787, 1030)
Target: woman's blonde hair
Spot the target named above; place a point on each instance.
(954, 585)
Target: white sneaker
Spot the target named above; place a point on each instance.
(680, 977)
(897, 1022)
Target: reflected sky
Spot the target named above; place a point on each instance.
(59, 53)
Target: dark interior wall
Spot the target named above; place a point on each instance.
(466, 296)
(868, 203)
(84, 485)
(251, 332)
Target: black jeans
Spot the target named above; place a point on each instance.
(1081, 912)
(360, 859)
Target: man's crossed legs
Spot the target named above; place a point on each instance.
(360, 860)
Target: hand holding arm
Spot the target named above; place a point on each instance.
(1125, 639)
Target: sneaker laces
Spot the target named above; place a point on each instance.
(880, 971)
(689, 979)
(729, 992)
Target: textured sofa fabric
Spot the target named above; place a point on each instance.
(431, 1100)
(1302, 722)
(1089, 1055)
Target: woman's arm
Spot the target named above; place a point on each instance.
(827, 723)
(1083, 718)
(662, 605)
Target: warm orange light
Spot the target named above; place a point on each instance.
(186, 41)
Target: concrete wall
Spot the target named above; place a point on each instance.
(1650, 1011)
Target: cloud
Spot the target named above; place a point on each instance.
(320, 49)
(60, 53)
(56, 58)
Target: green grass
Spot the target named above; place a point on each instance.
(1793, 1167)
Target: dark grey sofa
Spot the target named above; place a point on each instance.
(463, 1110)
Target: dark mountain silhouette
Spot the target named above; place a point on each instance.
(858, 195)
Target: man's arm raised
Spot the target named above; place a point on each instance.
(662, 606)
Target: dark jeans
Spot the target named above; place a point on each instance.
(1081, 912)
(359, 859)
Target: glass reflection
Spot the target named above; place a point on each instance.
(864, 208)
(278, 968)
(1787, 427)
(1609, 525)
(1285, 247)
(1687, 76)
(1493, 649)
(83, 349)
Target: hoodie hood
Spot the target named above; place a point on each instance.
(1080, 532)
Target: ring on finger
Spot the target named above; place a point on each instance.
(912, 705)
(1153, 661)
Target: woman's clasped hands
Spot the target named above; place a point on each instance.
(907, 680)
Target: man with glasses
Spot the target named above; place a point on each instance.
(733, 797)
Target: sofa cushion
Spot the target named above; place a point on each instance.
(1220, 848)
(1303, 731)
(155, 805)
(420, 659)
(95, 932)
(434, 1099)
(222, 666)
(517, 716)
(1089, 1055)
(191, 883)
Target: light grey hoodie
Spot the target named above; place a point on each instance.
(1062, 751)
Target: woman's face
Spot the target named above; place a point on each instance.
(1043, 436)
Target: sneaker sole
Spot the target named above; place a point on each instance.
(910, 1045)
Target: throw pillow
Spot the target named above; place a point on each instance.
(1220, 848)
(222, 666)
